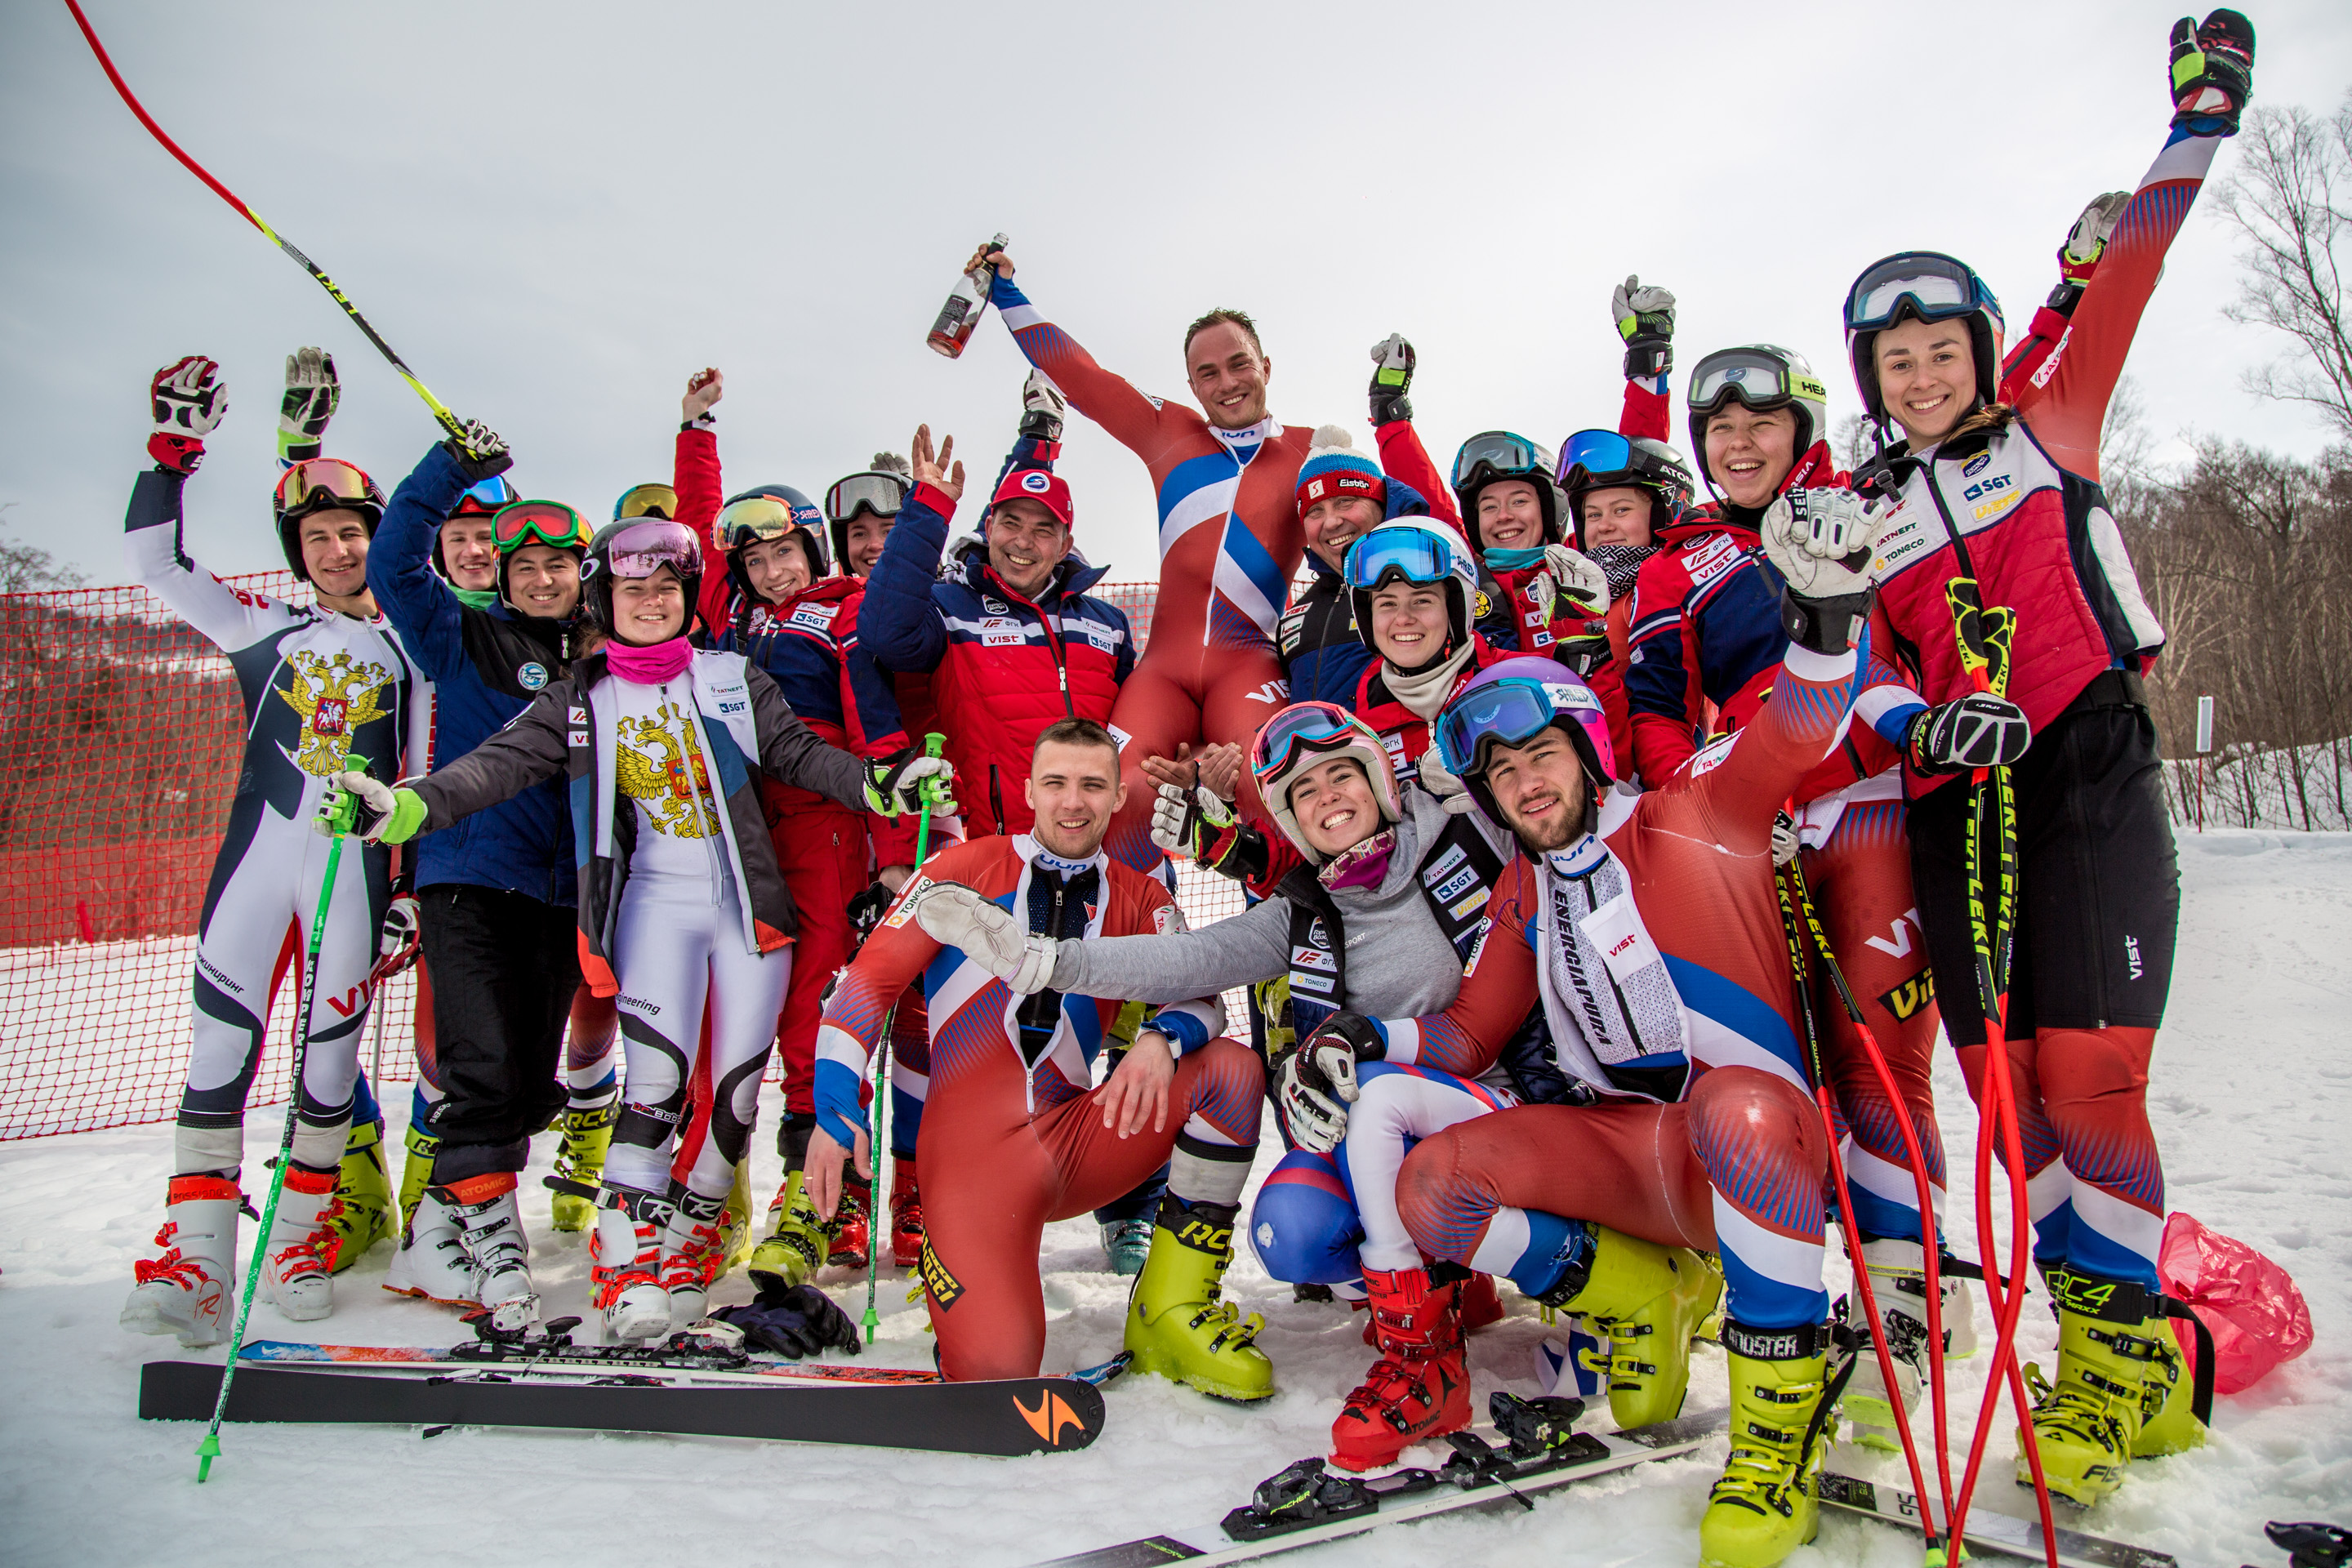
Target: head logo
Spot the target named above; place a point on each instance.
(1036, 483)
(1737, 373)
(531, 676)
(1052, 1414)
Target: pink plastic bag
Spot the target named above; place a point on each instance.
(2256, 1316)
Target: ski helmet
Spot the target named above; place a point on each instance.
(1500, 455)
(769, 512)
(525, 523)
(652, 498)
(637, 547)
(321, 484)
(881, 490)
(1304, 735)
(1930, 286)
(1416, 551)
(482, 500)
(1762, 376)
(1509, 703)
(1602, 460)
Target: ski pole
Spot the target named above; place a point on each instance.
(448, 421)
(209, 1450)
(932, 746)
(932, 743)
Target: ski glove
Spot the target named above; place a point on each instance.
(1042, 408)
(312, 392)
(908, 781)
(189, 399)
(1645, 320)
(479, 451)
(988, 934)
(1337, 1045)
(867, 908)
(1785, 842)
(1184, 821)
(1571, 575)
(1440, 780)
(1313, 1120)
(1822, 542)
(373, 812)
(1392, 362)
(2213, 72)
(397, 942)
(1980, 731)
(2087, 240)
(800, 1321)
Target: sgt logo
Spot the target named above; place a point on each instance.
(1907, 999)
(943, 1287)
(531, 677)
(1454, 887)
(815, 617)
(1051, 1415)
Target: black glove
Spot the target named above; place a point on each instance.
(1645, 314)
(479, 451)
(1981, 731)
(792, 1323)
(2212, 73)
(1392, 362)
(866, 908)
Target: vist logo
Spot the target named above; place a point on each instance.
(1900, 946)
(1906, 1000)
(1270, 692)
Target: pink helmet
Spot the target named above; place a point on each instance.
(1511, 701)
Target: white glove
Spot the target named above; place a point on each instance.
(1316, 1121)
(1785, 842)
(354, 804)
(1040, 396)
(1450, 792)
(1820, 542)
(1633, 298)
(2087, 240)
(312, 392)
(956, 917)
(897, 783)
(189, 398)
(398, 938)
(1571, 575)
(1178, 818)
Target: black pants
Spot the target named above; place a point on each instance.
(504, 967)
(2098, 895)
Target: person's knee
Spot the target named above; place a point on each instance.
(1736, 1111)
(1304, 1228)
(1430, 1188)
(2081, 1067)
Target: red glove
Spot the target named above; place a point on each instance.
(189, 399)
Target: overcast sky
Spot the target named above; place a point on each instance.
(556, 211)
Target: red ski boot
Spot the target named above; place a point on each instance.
(1420, 1387)
(1481, 1305)
(905, 1215)
(849, 1229)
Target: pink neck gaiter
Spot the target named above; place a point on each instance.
(1363, 866)
(650, 666)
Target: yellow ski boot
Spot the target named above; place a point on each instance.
(1763, 1507)
(1176, 1325)
(794, 1246)
(735, 1221)
(1646, 1301)
(416, 1169)
(361, 1214)
(587, 1133)
(2171, 1419)
(2120, 1372)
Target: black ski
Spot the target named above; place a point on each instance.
(1530, 1450)
(1987, 1531)
(1012, 1415)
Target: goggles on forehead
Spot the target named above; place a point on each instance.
(646, 500)
(754, 519)
(650, 543)
(1934, 285)
(1310, 726)
(1499, 453)
(549, 521)
(1511, 713)
(318, 482)
(1759, 380)
(878, 493)
(1415, 554)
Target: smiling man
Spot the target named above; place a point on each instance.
(1012, 1137)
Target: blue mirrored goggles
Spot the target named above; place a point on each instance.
(1596, 452)
(1415, 554)
(1511, 713)
(1934, 285)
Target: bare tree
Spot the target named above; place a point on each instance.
(25, 570)
(2292, 200)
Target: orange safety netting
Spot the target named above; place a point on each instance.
(120, 741)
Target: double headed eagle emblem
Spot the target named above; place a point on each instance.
(335, 698)
(664, 773)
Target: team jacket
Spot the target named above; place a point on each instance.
(1229, 536)
(808, 645)
(1323, 654)
(2016, 501)
(973, 1014)
(1696, 858)
(1002, 666)
(487, 666)
(742, 725)
(322, 691)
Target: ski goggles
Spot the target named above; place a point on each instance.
(545, 522)
(1501, 454)
(1757, 379)
(1511, 713)
(316, 483)
(1588, 455)
(646, 500)
(1388, 552)
(486, 499)
(878, 493)
(754, 519)
(1302, 727)
(1933, 286)
(647, 544)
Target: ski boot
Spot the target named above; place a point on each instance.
(187, 1291)
(905, 1213)
(1645, 1302)
(416, 1168)
(735, 1223)
(490, 1235)
(850, 1231)
(693, 1248)
(432, 1261)
(1481, 1304)
(587, 1133)
(1898, 1274)
(1126, 1243)
(794, 1247)
(1420, 1387)
(624, 1254)
(2118, 1367)
(299, 1259)
(362, 1214)
(1764, 1506)
(1176, 1326)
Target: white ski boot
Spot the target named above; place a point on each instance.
(432, 1260)
(189, 1290)
(297, 1263)
(1898, 1275)
(693, 1248)
(624, 1255)
(489, 1229)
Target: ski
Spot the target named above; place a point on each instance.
(1528, 1450)
(1986, 1531)
(577, 1361)
(1011, 1416)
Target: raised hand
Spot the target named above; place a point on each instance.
(989, 256)
(1042, 408)
(1644, 317)
(1822, 542)
(312, 394)
(704, 388)
(189, 399)
(2213, 72)
(2087, 240)
(1392, 362)
(935, 470)
(480, 451)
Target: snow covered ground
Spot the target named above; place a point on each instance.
(2252, 1095)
